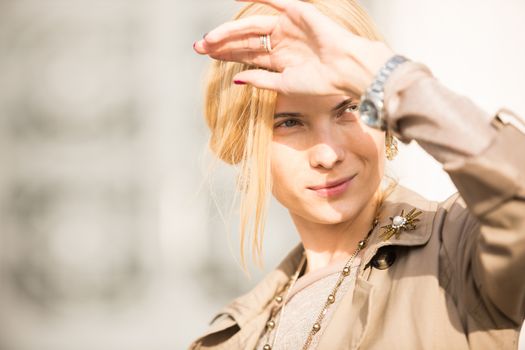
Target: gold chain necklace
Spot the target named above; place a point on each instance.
(280, 300)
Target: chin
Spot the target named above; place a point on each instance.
(330, 215)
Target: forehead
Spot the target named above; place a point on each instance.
(307, 103)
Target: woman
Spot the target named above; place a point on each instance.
(306, 97)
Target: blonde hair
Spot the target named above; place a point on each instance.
(240, 119)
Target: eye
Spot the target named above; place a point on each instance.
(288, 123)
(348, 109)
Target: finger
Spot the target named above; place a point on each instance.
(260, 78)
(240, 27)
(251, 58)
(246, 43)
(279, 5)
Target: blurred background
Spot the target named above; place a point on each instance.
(113, 233)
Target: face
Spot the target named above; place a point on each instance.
(326, 164)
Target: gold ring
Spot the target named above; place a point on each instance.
(266, 44)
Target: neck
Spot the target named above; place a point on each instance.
(326, 243)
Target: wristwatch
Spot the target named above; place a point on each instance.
(371, 107)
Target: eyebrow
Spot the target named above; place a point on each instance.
(339, 106)
(342, 104)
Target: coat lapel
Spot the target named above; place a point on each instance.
(402, 199)
(348, 325)
(349, 321)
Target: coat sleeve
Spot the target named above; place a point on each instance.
(485, 252)
(492, 186)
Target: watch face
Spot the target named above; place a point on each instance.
(368, 113)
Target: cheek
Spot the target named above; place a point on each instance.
(379, 140)
(284, 162)
(370, 147)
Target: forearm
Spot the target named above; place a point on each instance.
(447, 125)
(455, 131)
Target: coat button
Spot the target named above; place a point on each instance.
(384, 258)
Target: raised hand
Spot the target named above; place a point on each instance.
(310, 54)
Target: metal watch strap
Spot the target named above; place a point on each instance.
(378, 85)
(375, 92)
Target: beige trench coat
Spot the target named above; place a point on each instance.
(458, 280)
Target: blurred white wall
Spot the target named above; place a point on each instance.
(110, 236)
(476, 48)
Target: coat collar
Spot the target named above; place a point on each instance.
(402, 198)
(248, 306)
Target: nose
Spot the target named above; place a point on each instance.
(327, 150)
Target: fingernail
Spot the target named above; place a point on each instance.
(239, 82)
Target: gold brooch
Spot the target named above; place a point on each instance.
(400, 222)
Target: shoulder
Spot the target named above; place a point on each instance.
(239, 313)
(454, 217)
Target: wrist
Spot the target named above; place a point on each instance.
(371, 107)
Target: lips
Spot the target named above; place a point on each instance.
(333, 188)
